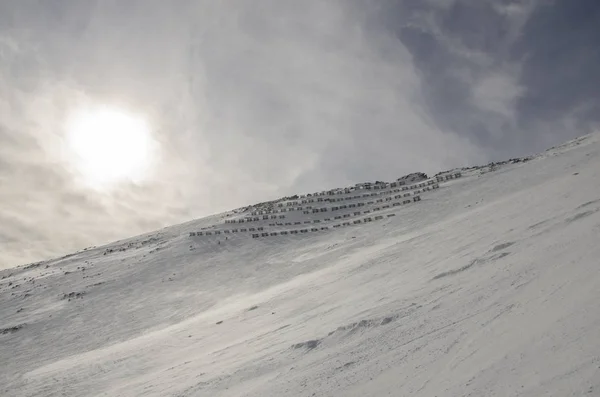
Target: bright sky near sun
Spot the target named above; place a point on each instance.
(109, 145)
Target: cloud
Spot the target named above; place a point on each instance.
(247, 101)
(498, 93)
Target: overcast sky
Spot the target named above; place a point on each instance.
(249, 100)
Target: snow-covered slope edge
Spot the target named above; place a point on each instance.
(488, 286)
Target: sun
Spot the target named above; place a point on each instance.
(109, 145)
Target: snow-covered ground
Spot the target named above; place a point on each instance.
(489, 286)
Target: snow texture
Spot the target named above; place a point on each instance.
(488, 286)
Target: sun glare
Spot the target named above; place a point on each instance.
(109, 145)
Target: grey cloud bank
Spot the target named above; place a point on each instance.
(249, 101)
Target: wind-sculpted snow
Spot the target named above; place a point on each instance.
(11, 330)
(488, 285)
(490, 258)
(346, 331)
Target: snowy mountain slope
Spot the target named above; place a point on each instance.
(487, 286)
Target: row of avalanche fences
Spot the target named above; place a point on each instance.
(426, 186)
(335, 199)
(344, 216)
(310, 210)
(317, 229)
(401, 182)
(295, 204)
